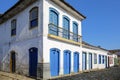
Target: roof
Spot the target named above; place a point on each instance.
(22, 4)
(87, 45)
(72, 8)
(18, 7)
(114, 51)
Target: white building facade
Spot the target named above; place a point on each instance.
(43, 39)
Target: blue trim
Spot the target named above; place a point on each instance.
(84, 64)
(103, 59)
(54, 10)
(66, 17)
(100, 59)
(90, 62)
(76, 52)
(56, 49)
(74, 22)
(67, 51)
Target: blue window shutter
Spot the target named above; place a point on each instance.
(75, 31)
(66, 27)
(53, 18)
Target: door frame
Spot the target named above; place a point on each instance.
(52, 73)
(85, 60)
(90, 67)
(12, 65)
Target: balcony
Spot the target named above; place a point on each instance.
(63, 35)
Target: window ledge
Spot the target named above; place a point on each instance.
(30, 28)
(64, 40)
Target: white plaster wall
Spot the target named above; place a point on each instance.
(52, 43)
(47, 4)
(25, 38)
(101, 52)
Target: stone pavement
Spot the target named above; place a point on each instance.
(9, 76)
(105, 74)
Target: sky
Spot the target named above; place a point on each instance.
(102, 24)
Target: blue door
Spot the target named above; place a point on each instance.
(33, 59)
(76, 62)
(84, 61)
(53, 20)
(67, 62)
(105, 61)
(54, 62)
(66, 25)
(90, 60)
(75, 32)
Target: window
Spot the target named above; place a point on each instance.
(75, 31)
(53, 21)
(103, 59)
(13, 27)
(34, 17)
(95, 58)
(99, 59)
(66, 27)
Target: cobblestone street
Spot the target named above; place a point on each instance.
(9, 76)
(107, 74)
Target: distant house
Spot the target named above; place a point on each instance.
(116, 52)
(43, 39)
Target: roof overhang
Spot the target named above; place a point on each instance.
(18, 7)
(69, 9)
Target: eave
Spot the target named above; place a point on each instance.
(18, 7)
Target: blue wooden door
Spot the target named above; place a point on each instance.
(75, 32)
(76, 62)
(54, 62)
(67, 62)
(84, 61)
(66, 25)
(33, 59)
(90, 61)
(53, 28)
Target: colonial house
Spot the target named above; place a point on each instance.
(43, 39)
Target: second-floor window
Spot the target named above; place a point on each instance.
(75, 31)
(66, 27)
(53, 21)
(34, 17)
(13, 27)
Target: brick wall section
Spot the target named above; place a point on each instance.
(106, 74)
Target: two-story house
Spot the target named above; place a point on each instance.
(43, 39)
(40, 38)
